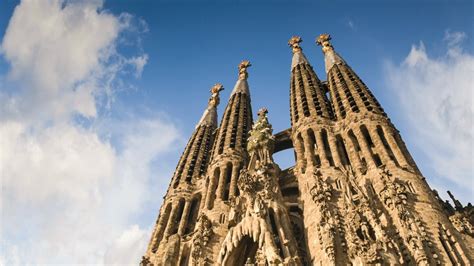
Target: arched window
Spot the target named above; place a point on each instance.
(228, 179)
(163, 221)
(193, 214)
(212, 189)
(177, 219)
(324, 137)
(341, 149)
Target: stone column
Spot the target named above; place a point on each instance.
(184, 218)
(210, 192)
(221, 186)
(309, 151)
(171, 219)
(389, 135)
(334, 151)
(366, 150)
(379, 145)
(352, 152)
(321, 150)
(233, 182)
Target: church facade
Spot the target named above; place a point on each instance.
(354, 197)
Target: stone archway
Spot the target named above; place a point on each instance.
(245, 250)
(243, 241)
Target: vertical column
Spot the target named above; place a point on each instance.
(233, 182)
(301, 153)
(334, 151)
(309, 148)
(322, 152)
(389, 135)
(353, 153)
(366, 150)
(210, 190)
(184, 218)
(172, 218)
(287, 232)
(221, 186)
(379, 146)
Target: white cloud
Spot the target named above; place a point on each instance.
(435, 95)
(71, 194)
(128, 247)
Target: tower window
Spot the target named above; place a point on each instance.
(193, 213)
(341, 148)
(386, 145)
(228, 178)
(177, 219)
(324, 136)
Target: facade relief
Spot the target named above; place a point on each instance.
(354, 196)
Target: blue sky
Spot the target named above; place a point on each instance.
(146, 67)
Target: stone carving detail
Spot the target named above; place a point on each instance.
(462, 223)
(259, 202)
(321, 194)
(319, 211)
(145, 261)
(201, 237)
(243, 69)
(366, 237)
(324, 41)
(294, 43)
(215, 100)
(394, 195)
(172, 252)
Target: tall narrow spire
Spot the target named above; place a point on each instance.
(348, 93)
(196, 155)
(229, 151)
(307, 95)
(210, 114)
(298, 56)
(241, 85)
(237, 118)
(330, 56)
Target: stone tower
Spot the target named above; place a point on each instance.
(354, 197)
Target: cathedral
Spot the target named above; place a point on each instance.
(354, 196)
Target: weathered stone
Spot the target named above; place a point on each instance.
(354, 197)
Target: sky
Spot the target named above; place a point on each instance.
(98, 100)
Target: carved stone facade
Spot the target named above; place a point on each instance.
(354, 197)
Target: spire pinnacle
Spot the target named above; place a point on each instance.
(324, 41)
(215, 100)
(210, 114)
(298, 56)
(330, 56)
(294, 43)
(242, 85)
(243, 69)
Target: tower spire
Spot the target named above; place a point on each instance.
(178, 215)
(210, 114)
(229, 151)
(330, 56)
(307, 92)
(298, 56)
(241, 85)
(349, 94)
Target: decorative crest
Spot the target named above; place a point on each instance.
(243, 69)
(261, 140)
(214, 100)
(324, 41)
(262, 112)
(294, 43)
